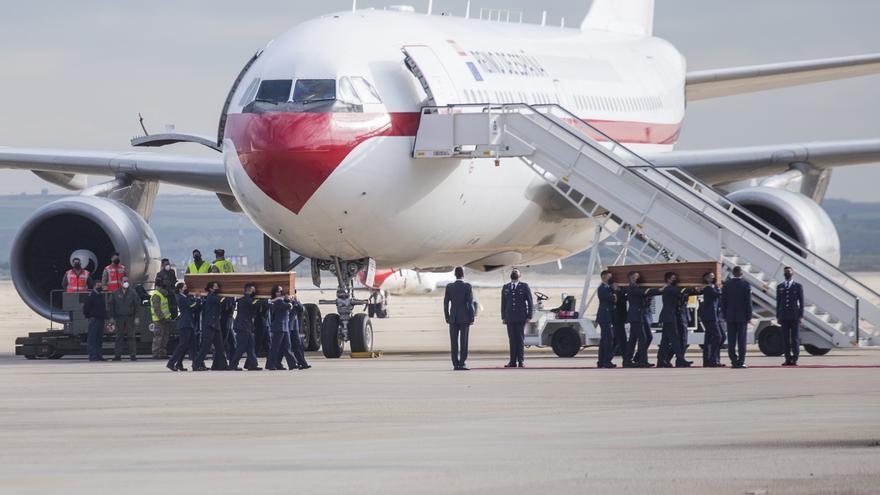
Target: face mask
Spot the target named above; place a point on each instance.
(125, 285)
(197, 257)
(116, 262)
(77, 265)
(185, 291)
(167, 268)
(514, 277)
(674, 282)
(788, 276)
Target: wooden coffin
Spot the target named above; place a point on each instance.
(689, 274)
(232, 284)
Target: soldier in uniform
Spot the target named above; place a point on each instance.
(211, 336)
(709, 317)
(736, 305)
(790, 315)
(671, 318)
(516, 311)
(246, 310)
(605, 318)
(636, 355)
(187, 306)
(458, 308)
(619, 320)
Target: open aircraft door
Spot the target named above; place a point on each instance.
(427, 67)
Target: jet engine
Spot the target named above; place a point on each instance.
(97, 226)
(795, 215)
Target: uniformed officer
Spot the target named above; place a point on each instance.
(671, 318)
(211, 337)
(619, 319)
(636, 355)
(736, 306)
(187, 307)
(95, 309)
(124, 305)
(790, 315)
(246, 310)
(221, 264)
(296, 343)
(516, 311)
(709, 310)
(281, 306)
(458, 308)
(227, 310)
(605, 318)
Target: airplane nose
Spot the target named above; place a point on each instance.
(290, 155)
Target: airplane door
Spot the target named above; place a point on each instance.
(427, 67)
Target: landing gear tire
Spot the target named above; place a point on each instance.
(55, 355)
(313, 316)
(331, 337)
(566, 342)
(815, 351)
(360, 333)
(770, 341)
(304, 330)
(30, 356)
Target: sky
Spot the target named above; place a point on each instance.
(76, 74)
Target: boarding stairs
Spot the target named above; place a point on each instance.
(672, 215)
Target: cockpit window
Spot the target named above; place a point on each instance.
(250, 93)
(274, 91)
(365, 91)
(346, 92)
(314, 90)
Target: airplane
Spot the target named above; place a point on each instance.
(315, 141)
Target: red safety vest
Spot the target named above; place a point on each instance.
(77, 283)
(114, 276)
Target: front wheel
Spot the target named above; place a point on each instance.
(815, 351)
(360, 333)
(566, 342)
(331, 336)
(313, 316)
(770, 341)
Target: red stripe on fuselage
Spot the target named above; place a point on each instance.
(290, 155)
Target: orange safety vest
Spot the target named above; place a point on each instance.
(77, 283)
(114, 276)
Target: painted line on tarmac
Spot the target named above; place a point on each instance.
(805, 366)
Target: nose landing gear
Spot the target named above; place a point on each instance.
(344, 325)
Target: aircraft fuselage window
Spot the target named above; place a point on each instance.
(274, 91)
(314, 90)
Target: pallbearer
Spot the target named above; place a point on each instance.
(605, 318)
(636, 355)
(281, 307)
(211, 336)
(187, 307)
(709, 317)
(246, 310)
(790, 315)
(671, 316)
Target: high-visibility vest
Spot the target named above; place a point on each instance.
(224, 266)
(114, 276)
(77, 283)
(163, 305)
(205, 268)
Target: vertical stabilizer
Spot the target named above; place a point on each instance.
(621, 16)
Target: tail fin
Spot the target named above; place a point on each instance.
(621, 16)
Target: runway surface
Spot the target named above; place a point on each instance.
(406, 423)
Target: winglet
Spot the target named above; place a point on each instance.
(621, 16)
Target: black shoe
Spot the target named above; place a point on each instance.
(463, 368)
(510, 365)
(720, 365)
(628, 364)
(521, 365)
(171, 367)
(254, 368)
(281, 368)
(181, 368)
(684, 364)
(664, 365)
(133, 358)
(235, 369)
(305, 366)
(117, 358)
(200, 368)
(794, 363)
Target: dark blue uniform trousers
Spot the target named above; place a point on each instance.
(458, 338)
(184, 344)
(212, 337)
(637, 346)
(515, 331)
(606, 344)
(736, 342)
(95, 338)
(281, 347)
(670, 344)
(711, 343)
(619, 338)
(244, 343)
(791, 335)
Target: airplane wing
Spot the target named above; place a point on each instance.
(722, 166)
(66, 167)
(706, 84)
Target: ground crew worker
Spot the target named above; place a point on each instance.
(246, 312)
(516, 311)
(167, 279)
(95, 309)
(281, 306)
(198, 265)
(736, 305)
(113, 274)
(124, 305)
(605, 318)
(77, 279)
(160, 311)
(636, 355)
(671, 318)
(221, 264)
(187, 306)
(211, 337)
(790, 315)
(709, 317)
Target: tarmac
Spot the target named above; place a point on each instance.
(406, 422)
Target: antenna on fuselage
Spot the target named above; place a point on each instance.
(467, 10)
(141, 120)
(544, 18)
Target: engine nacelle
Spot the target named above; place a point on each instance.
(794, 214)
(41, 250)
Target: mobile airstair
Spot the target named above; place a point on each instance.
(655, 214)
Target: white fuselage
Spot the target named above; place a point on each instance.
(329, 179)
